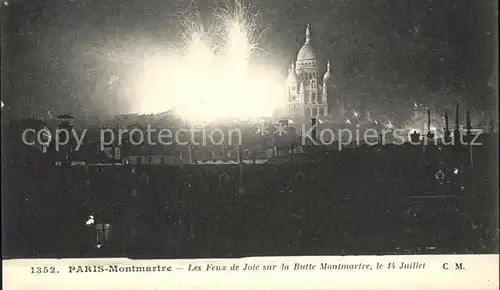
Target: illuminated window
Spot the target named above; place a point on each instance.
(103, 233)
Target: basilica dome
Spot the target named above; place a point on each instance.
(307, 54)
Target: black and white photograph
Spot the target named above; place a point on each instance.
(181, 129)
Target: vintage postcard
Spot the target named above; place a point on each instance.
(249, 144)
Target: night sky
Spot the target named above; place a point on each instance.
(386, 53)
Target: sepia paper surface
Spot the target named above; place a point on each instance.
(435, 272)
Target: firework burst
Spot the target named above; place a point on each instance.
(195, 34)
(213, 76)
(238, 29)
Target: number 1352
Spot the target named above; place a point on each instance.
(43, 270)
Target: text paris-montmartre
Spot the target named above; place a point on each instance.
(118, 268)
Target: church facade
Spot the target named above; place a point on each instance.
(312, 94)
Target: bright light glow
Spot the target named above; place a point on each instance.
(90, 221)
(355, 114)
(348, 121)
(207, 82)
(455, 171)
(238, 48)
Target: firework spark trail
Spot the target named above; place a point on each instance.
(191, 25)
(235, 27)
(238, 29)
(198, 54)
(237, 32)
